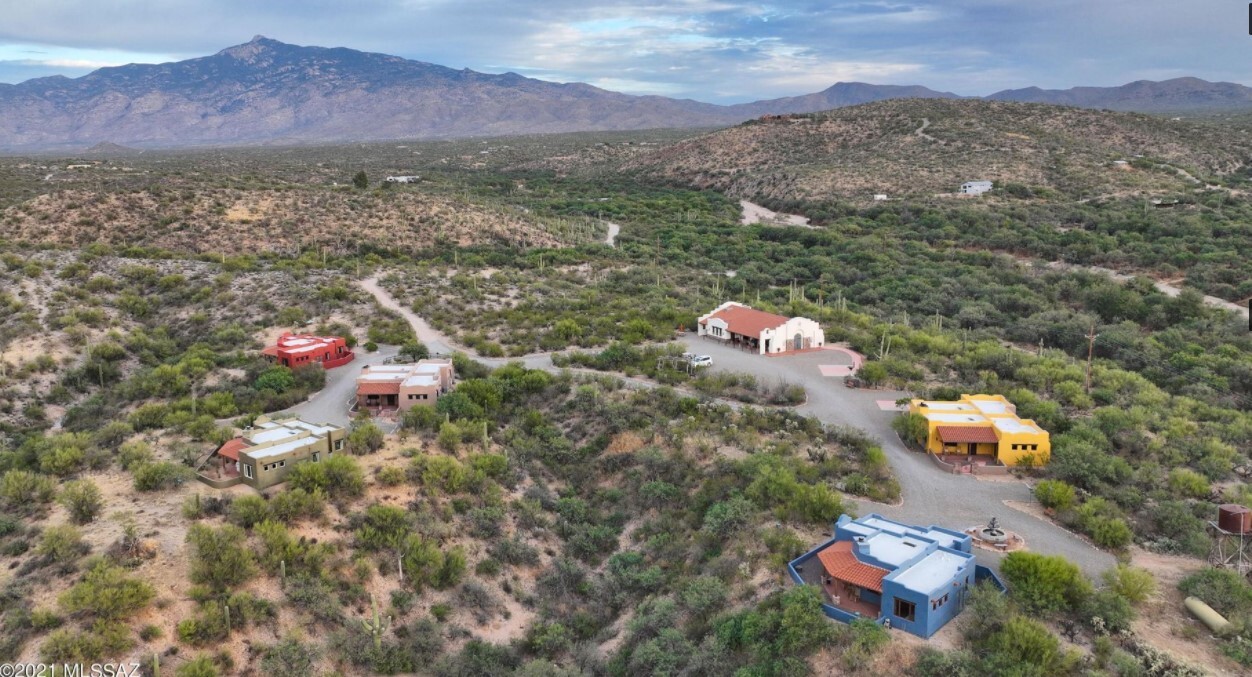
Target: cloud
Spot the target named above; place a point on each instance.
(715, 50)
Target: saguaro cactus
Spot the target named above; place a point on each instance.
(376, 626)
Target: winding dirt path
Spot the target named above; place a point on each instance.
(611, 238)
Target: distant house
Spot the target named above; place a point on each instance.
(975, 187)
(263, 454)
(912, 578)
(298, 350)
(401, 386)
(982, 425)
(879, 197)
(766, 333)
(403, 179)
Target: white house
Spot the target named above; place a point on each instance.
(763, 332)
(975, 187)
(879, 197)
(403, 179)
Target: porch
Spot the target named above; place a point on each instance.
(841, 594)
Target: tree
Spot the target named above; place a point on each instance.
(360, 180)
(415, 350)
(872, 373)
(82, 499)
(1045, 583)
(278, 379)
(365, 437)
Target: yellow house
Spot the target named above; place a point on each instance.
(982, 425)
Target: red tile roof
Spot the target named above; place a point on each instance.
(384, 388)
(840, 562)
(748, 321)
(965, 433)
(232, 448)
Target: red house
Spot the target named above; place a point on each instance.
(298, 350)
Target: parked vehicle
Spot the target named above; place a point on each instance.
(702, 361)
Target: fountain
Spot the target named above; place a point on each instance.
(993, 537)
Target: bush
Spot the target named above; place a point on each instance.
(104, 641)
(219, 557)
(295, 504)
(288, 657)
(365, 437)
(201, 666)
(1224, 590)
(82, 499)
(337, 477)
(247, 511)
(1055, 495)
(106, 592)
(21, 488)
(160, 475)
(1134, 584)
(1024, 642)
(62, 544)
(1044, 583)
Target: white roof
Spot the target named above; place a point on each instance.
(420, 380)
(388, 376)
(892, 549)
(430, 368)
(932, 571)
(957, 418)
(282, 448)
(948, 406)
(1013, 425)
(991, 406)
(271, 435)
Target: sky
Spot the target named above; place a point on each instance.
(722, 51)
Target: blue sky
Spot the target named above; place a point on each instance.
(712, 50)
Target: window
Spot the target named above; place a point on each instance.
(282, 464)
(905, 610)
(247, 471)
(316, 456)
(338, 445)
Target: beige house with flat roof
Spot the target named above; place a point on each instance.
(403, 386)
(264, 453)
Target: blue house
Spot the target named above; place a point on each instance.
(908, 577)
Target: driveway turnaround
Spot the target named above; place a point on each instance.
(330, 404)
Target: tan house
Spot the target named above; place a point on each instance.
(263, 455)
(766, 333)
(401, 386)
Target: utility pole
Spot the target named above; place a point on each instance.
(1091, 337)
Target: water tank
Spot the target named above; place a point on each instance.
(1234, 518)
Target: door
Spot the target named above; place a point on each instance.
(799, 341)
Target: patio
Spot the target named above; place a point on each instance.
(837, 593)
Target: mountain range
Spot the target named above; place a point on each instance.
(266, 91)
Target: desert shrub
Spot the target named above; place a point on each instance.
(219, 557)
(108, 593)
(296, 504)
(103, 641)
(289, 657)
(391, 476)
(62, 544)
(383, 527)
(1024, 642)
(725, 518)
(1044, 583)
(513, 551)
(248, 510)
(134, 454)
(1224, 590)
(480, 601)
(1055, 494)
(365, 437)
(160, 475)
(82, 500)
(21, 488)
(200, 666)
(338, 477)
(1132, 583)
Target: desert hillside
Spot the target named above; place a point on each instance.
(931, 146)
